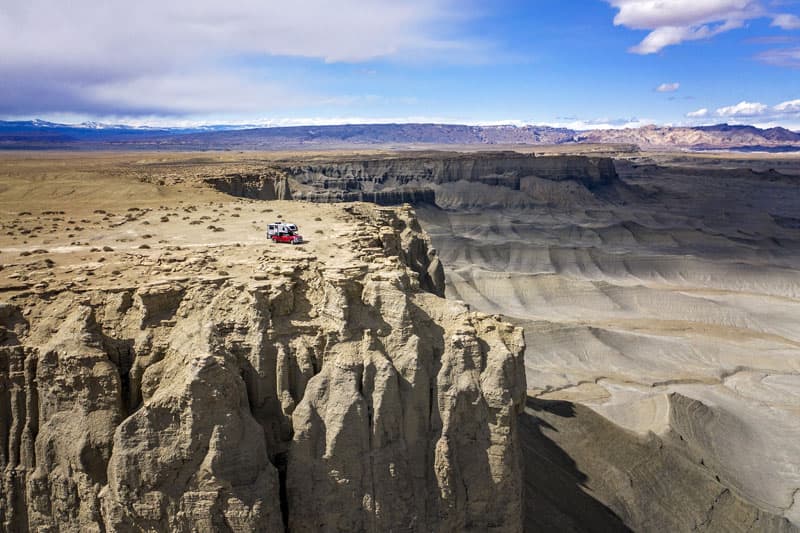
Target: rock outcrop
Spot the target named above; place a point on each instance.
(405, 195)
(307, 396)
(491, 168)
(266, 185)
(424, 179)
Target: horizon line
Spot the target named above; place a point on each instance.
(576, 125)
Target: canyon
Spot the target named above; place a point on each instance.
(543, 342)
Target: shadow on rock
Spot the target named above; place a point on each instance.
(555, 498)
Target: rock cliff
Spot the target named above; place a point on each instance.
(293, 393)
(505, 169)
(265, 185)
(421, 179)
(672, 315)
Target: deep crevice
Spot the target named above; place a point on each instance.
(281, 462)
(5, 408)
(31, 430)
(122, 354)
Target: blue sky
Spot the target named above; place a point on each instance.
(577, 63)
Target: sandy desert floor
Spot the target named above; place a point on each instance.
(103, 219)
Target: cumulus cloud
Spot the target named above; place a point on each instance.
(792, 106)
(189, 55)
(743, 109)
(786, 22)
(762, 115)
(672, 22)
(749, 112)
(668, 87)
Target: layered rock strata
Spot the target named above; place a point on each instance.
(266, 185)
(302, 396)
(422, 179)
(585, 473)
(670, 311)
(491, 168)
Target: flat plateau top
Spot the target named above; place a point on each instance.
(104, 220)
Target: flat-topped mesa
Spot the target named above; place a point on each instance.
(416, 179)
(505, 169)
(335, 396)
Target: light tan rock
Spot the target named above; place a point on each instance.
(340, 397)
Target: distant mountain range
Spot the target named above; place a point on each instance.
(719, 137)
(38, 134)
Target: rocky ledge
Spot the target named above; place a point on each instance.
(301, 395)
(416, 179)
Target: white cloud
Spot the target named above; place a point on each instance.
(786, 21)
(668, 87)
(579, 124)
(134, 57)
(196, 92)
(672, 22)
(781, 57)
(743, 109)
(756, 113)
(346, 30)
(791, 106)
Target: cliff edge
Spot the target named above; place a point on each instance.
(285, 392)
(446, 179)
